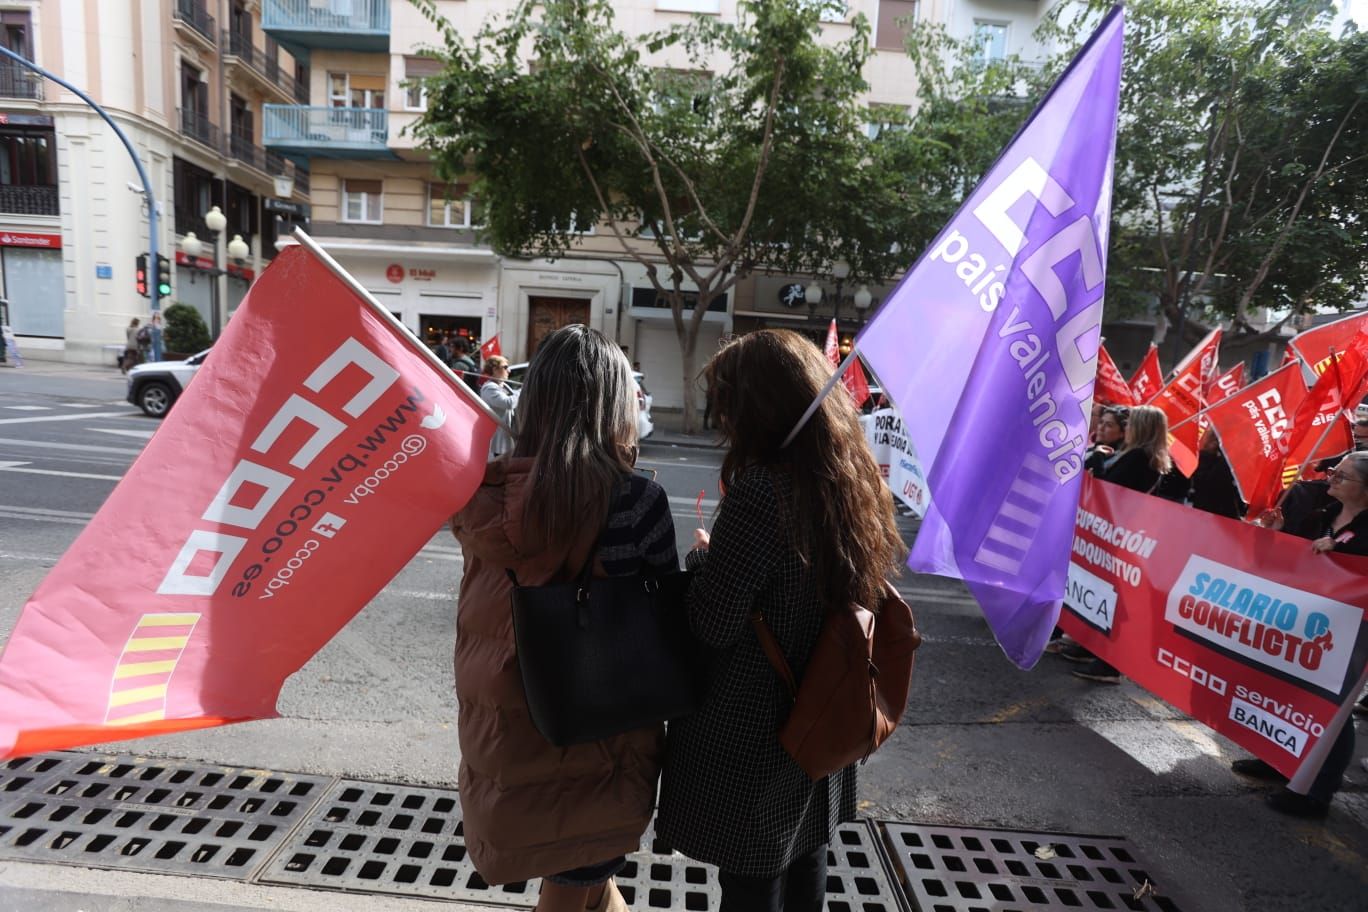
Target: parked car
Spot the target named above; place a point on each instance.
(645, 426)
(155, 386)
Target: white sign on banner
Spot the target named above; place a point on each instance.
(898, 462)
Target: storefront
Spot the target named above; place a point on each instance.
(656, 348)
(536, 297)
(34, 285)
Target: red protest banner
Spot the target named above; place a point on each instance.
(1148, 378)
(1244, 629)
(315, 453)
(1249, 424)
(1316, 345)
(1111, 387)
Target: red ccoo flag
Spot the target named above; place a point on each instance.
(856, 383)
(1111, 387)
(1250, 423)
(490, 347)
(832, 349)
(1316, 345)
(316, 452)
(1148, 378)
(1181, 400)
(1226, 385)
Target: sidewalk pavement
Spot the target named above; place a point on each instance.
(669, 431)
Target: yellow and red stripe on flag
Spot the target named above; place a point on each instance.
(141, 678)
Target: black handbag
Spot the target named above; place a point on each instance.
(604, 656)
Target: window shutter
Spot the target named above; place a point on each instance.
(419, 67)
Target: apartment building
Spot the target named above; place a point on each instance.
(186, 81)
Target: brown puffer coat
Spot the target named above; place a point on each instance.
(531, 809)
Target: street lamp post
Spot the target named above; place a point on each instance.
(237, 249)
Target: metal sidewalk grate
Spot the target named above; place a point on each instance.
(396, 839)
(964, 869)
(144, 815)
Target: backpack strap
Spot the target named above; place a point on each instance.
(772, 652)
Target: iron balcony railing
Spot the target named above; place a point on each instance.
(301, 178)
(19, 82)
(17, 200)
(326, 15)
(261, 63)
(357, 129)
(197, 17)
(248, 152)
(196, 126)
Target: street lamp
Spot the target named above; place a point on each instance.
(192, 246)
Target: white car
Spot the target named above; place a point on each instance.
(645, 426)
(156, 385)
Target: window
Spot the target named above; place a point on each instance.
(16, 34)
(453, 207)
(990, 41)
(28, 158)
(416, 69)
(361, 201)
(689, 6)
(241, 122)
(885, 117)
(356, 90)
(889, 34)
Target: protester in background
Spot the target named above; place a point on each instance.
(130, 355)
(1340, 527)
(155, 334)
(1360, 432)
(565, 495)
(800, 530)
(500, 397)
(1108, 435)
(442, 350)
(1213, 484)
(461, 362)
(1143, 464)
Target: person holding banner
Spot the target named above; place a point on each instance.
(566, 492)
(799, 528)
(1342, 528)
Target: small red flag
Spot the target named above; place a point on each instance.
(1226, 385)
(832, 350)
(856, 383)
(1148, 378)
(1250, 423)
(1112, 388)
(490, 347)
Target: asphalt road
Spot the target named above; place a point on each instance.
(983, 744)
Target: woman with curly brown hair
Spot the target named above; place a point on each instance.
(801, 529)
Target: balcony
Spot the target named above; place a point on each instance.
(266, 70)
(301, 26)
(27, 200)
(327, 132)
(243, 149)
(196, 17)
(197, 127)
(20, 82)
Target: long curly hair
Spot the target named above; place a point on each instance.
(577, 419)
(758, 386)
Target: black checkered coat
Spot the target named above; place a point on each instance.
(729, 793)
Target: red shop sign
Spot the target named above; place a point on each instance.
(30, 239)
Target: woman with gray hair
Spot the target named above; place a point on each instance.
(500, 397)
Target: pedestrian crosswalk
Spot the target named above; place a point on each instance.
(57, 406)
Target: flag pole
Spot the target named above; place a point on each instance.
(826, 390)
(1310, 768)
(405, 333)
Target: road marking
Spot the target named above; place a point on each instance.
(85, 416)
(691, 501)
(73, 447)
(144, 435)
(84, 404)
(28, 408)
(1160, 747)
(19, 467)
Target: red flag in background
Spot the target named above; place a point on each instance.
(490, 347)
(1226, 385)
(1182, 399)
(1250, 423)
(1316, 345)
(1319, 428)
(317, 451)
(1289, 357)
(832, 349)
(1111, 387)
(856, 383)
(1148, 378)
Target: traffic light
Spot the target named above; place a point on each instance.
(140, 276)
(163, 276)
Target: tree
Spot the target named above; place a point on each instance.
(751, 155)
(1241, 172)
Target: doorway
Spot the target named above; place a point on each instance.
(546, 315)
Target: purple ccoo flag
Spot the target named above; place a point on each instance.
(989, 347)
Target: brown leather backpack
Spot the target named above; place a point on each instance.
(855, 686)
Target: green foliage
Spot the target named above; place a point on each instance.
(185, 330)
(749, 154)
